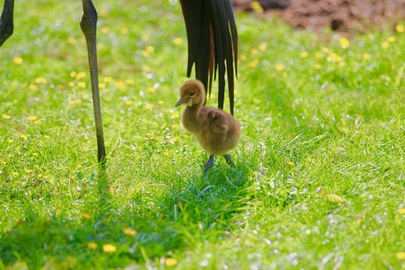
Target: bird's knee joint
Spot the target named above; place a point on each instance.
(6, 31)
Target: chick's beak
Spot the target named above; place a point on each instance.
(182, 100)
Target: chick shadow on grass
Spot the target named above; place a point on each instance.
(212, 201)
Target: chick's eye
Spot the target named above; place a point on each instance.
(191, 94)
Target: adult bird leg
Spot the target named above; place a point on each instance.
(88, 25)
(6, 21)
(209, 163)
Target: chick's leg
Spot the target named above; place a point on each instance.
(209, 163)
(229, 160)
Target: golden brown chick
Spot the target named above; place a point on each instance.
(216, 131)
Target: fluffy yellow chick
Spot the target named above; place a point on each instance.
(216, 131)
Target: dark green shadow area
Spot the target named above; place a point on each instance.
(201, 207)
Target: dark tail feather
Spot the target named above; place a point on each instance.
(212, 44)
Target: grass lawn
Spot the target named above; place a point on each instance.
(319, 181)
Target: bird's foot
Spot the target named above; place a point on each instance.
(229, 160)
(209, 163)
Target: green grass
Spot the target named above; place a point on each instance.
(310, 124)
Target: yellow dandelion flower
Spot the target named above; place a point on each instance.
(109, 248)
(32, 117)
(85, 216)
(35, 154)
(107, 79)
(170, 261)
(33, 87)
(145, 53)
(391, 39)
(262, 47)
(310, 159)
(243, 58)
(101, 85)
(400, 28)
(72, 40)
(149, 106)
(102, 13)
(14, 174)
(74, 102)
(46, 137)
(175, 115)
(18, 60)
(150, 49)
(5, 116)
(105, 30)
(253, 51)
(120, 84)
(10, 141)
(279, 67)
(81, 84)
(92, 246)
(255, 5)
(400, 255)
(151, 89)
(129, 102)
(385, 45)
(366, 56)
(129, 232)
(71, 84)
(129, 81)
(28, 171)
(290, 163)
(166, 154)
(41, 80)
(160, 102)
(325, 50)
(344, 42)
(342, 64)
(401, 211)
(73, 74)
(318, 66)
(254, 63)
(178, 41)
(80, 75)
(36, 166)
(333, 57)
(124, 30)
(304, 54)
(145, 37)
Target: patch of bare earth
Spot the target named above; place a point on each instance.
(338, 15)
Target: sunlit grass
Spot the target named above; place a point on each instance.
(319, 176)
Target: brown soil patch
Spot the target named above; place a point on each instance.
(338, 15)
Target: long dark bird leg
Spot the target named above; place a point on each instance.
(229, 160)
(210, 162)
(6, 21)
(88, 25)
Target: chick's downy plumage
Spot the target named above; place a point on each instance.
(215, 130)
